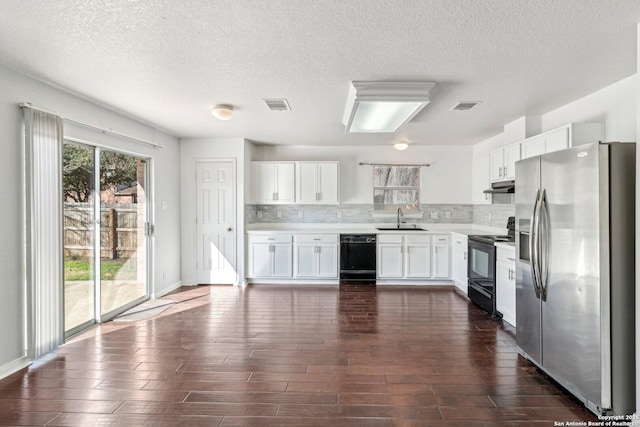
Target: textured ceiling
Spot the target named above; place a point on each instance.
(167, 62)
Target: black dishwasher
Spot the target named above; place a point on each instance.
(358, 257)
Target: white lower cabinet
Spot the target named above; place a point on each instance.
(417, 258)
(413, 256)
(441, 257)
(270, 256)
(459, 262)
(390, 257)
(315, 256)
(506, 283)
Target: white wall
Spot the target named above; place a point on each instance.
(17, 88)
(192, 150)
(614, 106)
(447, 180)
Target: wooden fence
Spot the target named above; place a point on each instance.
(118, 230)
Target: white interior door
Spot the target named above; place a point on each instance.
(215, 223)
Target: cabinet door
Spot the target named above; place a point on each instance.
(481, 179)
(327, 260)
(533, 147)
(260, 260)
(328, 177)
(285, 183)
(307, 185)
(441, 260)
(305, 263)
(418, 261)
(511, 156)
(503, 271)
(496, 165)
(389, 261)
(282, 260)
(558, 140)
(506, 291)
(264, 182)
(459, 268)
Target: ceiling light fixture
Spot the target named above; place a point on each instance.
(401, 146)
(222, 111)
(383, 106)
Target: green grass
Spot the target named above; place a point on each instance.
(80, 269)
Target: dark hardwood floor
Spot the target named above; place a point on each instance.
(301, 355)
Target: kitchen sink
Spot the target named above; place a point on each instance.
(400, 229)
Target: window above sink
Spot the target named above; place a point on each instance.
(396, 187)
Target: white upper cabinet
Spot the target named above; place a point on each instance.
(273, 182)
(317, 183)
(503, 162)
(481, 180)
(563, 137)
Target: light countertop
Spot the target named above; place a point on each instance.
(506, 245)
(366, 228)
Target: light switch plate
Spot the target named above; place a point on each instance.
(300, 214)
(339, 214)
(434, 215)
(279, 214)
(259, 214)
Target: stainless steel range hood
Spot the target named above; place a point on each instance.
(501, 187)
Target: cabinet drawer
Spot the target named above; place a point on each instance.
(417, 238)
(271, 238)
(459, 241)
(389, 238)
(315, 238)
(506, 255)
(440, 239)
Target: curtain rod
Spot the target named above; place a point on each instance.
(426, 165)
(99, 129)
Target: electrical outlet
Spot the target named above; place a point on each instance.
(447, 214)
(300, 214)
(279, 214)
(434, 215)
(259, 214)
(490, 216)
(164, 275)
(339, 214)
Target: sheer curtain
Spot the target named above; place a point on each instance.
(43, 228)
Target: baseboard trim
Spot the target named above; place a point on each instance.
(14, 366)
(168, 290)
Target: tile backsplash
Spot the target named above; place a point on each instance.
(492, 215)
(352, 213)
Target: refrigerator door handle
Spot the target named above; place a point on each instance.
(533, 247)
(544, 245)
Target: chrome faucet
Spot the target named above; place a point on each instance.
(399, 214)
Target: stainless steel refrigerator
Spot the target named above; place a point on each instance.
(575, 238)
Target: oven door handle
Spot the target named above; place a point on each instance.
(533, 244)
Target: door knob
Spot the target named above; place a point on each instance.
(229, 229)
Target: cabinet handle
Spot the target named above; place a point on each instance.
(505, 171)
(271, 238)
(465, 256)
(319, 196)
(500, 172)
(511, 259)
(317, 240)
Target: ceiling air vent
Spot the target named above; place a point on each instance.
(465, 105)
(277, 104)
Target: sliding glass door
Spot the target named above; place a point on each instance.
(105, 239)
(78, 165)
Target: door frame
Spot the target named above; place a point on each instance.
(194, 207)
(149, 233)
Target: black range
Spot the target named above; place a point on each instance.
(482, 268)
